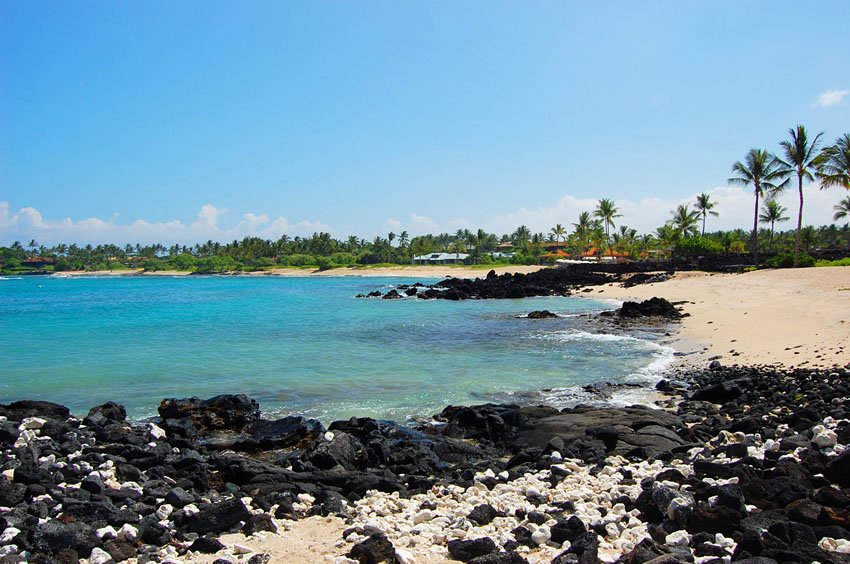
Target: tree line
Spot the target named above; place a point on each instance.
(803, 159)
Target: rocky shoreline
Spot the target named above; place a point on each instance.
(746, 464)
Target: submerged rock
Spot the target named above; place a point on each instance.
(541, 314)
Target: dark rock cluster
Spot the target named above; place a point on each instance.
(545, 282)
(73, 488)
(783, 497)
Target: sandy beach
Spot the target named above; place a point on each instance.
(796, 318)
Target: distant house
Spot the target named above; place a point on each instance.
(37, 262)
(496, 255)
(604, 255)
(553, 246)
(441, 258)
(504, 247)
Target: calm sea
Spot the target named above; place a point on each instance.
(297, 345)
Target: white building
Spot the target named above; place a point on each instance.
(440, 258)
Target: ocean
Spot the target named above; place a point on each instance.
(300, 345)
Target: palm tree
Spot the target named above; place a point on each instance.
(685, 221)
(458, 247)
(33, 245)
(582, 230)
(403, 239)
(607, 211)
(762, 170)
(521, 237)
(802, 158)
(842, 210)
(835, 164)
(666, 234)
(558, 231)
(773, 212)
(704, 207)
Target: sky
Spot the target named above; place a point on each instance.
(156, 121)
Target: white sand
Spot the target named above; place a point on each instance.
(797, 318)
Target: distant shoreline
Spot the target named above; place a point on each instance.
(411, 271)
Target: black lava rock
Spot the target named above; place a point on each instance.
(377, 548)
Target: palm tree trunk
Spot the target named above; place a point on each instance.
(799, 222)
(703, 224)
(755, 230)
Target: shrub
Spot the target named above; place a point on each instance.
(786, 260)
(182, 261)
(697, 247)
(342, 259)
(300, 260)
(838, 262)
(325, 263)
(737, 247)
(216, 264)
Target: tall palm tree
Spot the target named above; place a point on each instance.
(773, 212)
(761, 170)
(835, 164)
(521, 237)
(558, 231)
(685, 221)
(582, 230)
(607, 212)
(704, 207)
(842, 210)
(802, 158)
(403, 239)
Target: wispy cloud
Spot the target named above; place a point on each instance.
(831, 98)
(28, 223)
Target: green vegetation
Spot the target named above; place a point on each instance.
(840, 262)
(787, 260)
(697, 246)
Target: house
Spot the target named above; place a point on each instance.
(554, 246)
(37, 262)
(441, 258)
(604, 255)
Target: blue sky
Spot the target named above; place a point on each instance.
(182, 121)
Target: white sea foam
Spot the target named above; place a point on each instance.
(573, 335)
(11, 278)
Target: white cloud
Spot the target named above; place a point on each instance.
(831, 98)
(393, 224)
(421, 224)
(459, 223)
(28, 223)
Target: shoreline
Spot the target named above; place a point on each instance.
(742, 430)
(788, 318)
(400, 271)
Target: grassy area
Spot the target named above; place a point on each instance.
(840, 262)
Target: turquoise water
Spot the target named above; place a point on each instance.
(297, 345)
